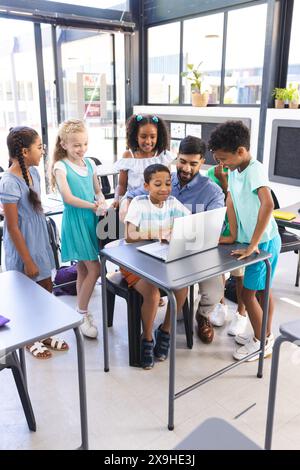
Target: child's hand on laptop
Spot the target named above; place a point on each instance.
(165, 236)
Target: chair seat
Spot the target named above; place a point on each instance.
(291, 330)
(289, 241)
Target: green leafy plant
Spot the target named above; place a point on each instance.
(195, 76)
(280, 94)
(292, 93)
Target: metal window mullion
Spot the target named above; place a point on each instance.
(180, 94)
(223, 61)
(42, 96)
(114, 93)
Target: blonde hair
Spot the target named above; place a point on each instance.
(71, 126)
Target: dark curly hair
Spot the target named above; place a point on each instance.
(229, 136)
(138, 120)
(18, 138)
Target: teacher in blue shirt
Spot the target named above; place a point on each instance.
(198, 193)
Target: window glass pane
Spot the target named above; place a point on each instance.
(110, 4)
(18, 78)
(202, 42)
(163, 63)
(294, 55)
(245, 55)
(86, 81)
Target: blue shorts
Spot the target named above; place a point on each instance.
(255, 274)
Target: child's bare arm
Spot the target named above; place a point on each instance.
(232, 222)
(67, 195)
(264, 214)
(11, 216)
(222, 177)
(121, 188)
(132, 234)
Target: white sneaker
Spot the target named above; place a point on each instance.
(244, 338)
(218, 315)
(252, 346)
(88, 328)
(237, 325)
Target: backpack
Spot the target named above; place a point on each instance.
(65, 281)
(230, 289)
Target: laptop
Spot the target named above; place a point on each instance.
(191, 234)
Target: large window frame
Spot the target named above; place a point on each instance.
(70, 16)
(225, 11)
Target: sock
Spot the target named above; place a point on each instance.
(83, 312)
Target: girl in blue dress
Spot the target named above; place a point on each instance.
(77, 181)
(26, 240)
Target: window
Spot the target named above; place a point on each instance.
(245, 55)
(18, 74)
(202, 42)
(294, 55)
(163, 63)
(110, 4)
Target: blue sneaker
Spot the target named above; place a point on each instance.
(162, 344)
(147, 357)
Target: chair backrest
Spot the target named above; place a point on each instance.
(104, 179)
(275, 200)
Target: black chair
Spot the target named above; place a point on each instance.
(11, 361)
(116, 285)
(106, 189)
(289, 240)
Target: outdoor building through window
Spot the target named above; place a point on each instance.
(294, 54)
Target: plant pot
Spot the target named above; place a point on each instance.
(279, 104)
(200, 99)
(293, 104)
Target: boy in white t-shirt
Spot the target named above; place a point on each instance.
(151, 217)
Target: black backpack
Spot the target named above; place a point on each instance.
(230, 289)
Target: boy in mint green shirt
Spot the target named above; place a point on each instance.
(250, 202)
(219, 175)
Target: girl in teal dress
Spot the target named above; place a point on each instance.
(78, 184)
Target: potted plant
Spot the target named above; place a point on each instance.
(195, 76)
(280, 95)
(293, 96)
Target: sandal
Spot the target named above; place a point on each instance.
(56, 344)
(39, 350)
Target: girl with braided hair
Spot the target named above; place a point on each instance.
(25, 237)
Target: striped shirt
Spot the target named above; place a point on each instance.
(151, 220)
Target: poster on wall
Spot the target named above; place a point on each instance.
(194, 129)
(177, 130)
(91, 95)
(174, 146)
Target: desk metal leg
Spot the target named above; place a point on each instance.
(173, 315)
(82, 390)
(104, 313)
(264, 319)
(272, 391)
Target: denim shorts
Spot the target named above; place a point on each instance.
(255, 274)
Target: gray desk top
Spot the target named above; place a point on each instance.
(180, 273)
(34, 313)
(217, 434)
(290, 223)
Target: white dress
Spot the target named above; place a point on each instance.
(135, 167)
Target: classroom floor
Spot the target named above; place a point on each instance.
(127, 407)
